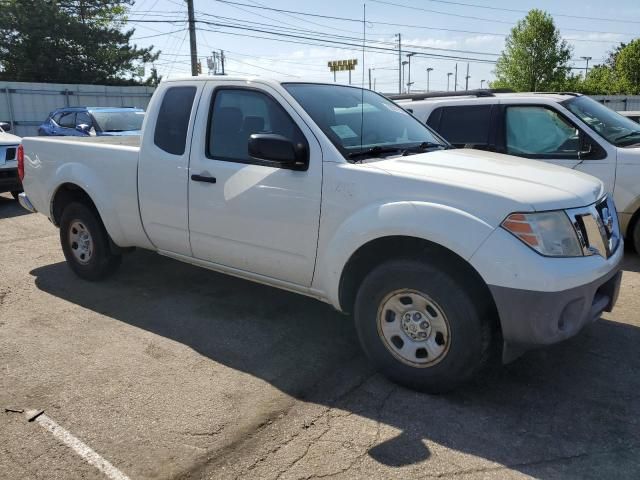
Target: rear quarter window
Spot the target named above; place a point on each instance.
(463, 125)
(173, 119)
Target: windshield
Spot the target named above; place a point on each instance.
(340, 112)
(616, 129)
(119, 121)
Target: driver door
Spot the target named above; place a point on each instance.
(542, 133)
(244, 215)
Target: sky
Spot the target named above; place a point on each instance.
(473, 31)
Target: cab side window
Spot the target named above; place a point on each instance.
(237, 114)
(540, 132)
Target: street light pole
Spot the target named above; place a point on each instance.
(409, 55)
(429, 70)
(403, 65)
(448, 78)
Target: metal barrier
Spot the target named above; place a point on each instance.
(27, 105)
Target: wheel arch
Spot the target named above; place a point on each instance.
(380, 250)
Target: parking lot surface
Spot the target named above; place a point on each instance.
(170, 371)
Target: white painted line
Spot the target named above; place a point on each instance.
(78, 446)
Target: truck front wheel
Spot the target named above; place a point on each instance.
(85, 243)
(420, 326)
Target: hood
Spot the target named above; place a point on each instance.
(120, 134)
(9, 139)
(533, 183)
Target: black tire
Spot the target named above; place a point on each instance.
(469, 334)
(635, 235)
(15, 194)
(102, 261)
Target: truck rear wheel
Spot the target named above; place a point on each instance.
(420, 326)
(635, 236)
(86, 244)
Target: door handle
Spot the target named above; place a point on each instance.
(203, 178)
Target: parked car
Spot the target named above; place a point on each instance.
(631, 115)
(93, 121)
(566, 129)
(437, 252)
(9, 181)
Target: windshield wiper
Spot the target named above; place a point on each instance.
(627, 135)
(422, 147)
(374, 151)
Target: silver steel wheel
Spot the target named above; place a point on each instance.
(80, 242)
(413, 328)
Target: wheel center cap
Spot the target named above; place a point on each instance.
(416, 325)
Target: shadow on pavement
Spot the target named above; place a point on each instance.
(631, 262)
(572, 400)
(10, 208)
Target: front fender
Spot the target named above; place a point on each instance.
(451, 228)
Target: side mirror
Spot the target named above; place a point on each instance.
(279, 150)
(84, 128)
(586, 147)
(5, 126)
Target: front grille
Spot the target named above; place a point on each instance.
(597, 227)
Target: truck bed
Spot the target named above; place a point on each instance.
(105, 167)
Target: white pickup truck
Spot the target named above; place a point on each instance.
(336, 193)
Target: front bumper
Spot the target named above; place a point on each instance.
(532, 318)
(9, 181)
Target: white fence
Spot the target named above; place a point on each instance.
(26, 105)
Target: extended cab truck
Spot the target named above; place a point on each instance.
(566, 129)
(438, 253)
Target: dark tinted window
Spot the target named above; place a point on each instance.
(238, 114)
(67, 120)
(173, 119)
(465, 125)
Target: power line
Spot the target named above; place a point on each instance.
(470, 17)
(513, 10)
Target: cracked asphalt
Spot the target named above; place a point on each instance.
(170, 371)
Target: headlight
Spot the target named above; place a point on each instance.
(548, 233)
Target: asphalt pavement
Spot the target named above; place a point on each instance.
(168, 371)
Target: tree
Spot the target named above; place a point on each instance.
(535, 56)
(69, 41)
(627, 67)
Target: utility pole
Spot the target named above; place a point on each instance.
(448, 78)
(429, 70)
(369, 79)
(399, 62)
(586, 69)
(455, 79)
(466, 85)
(192, 39)
(222, 60)
(409, 83)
